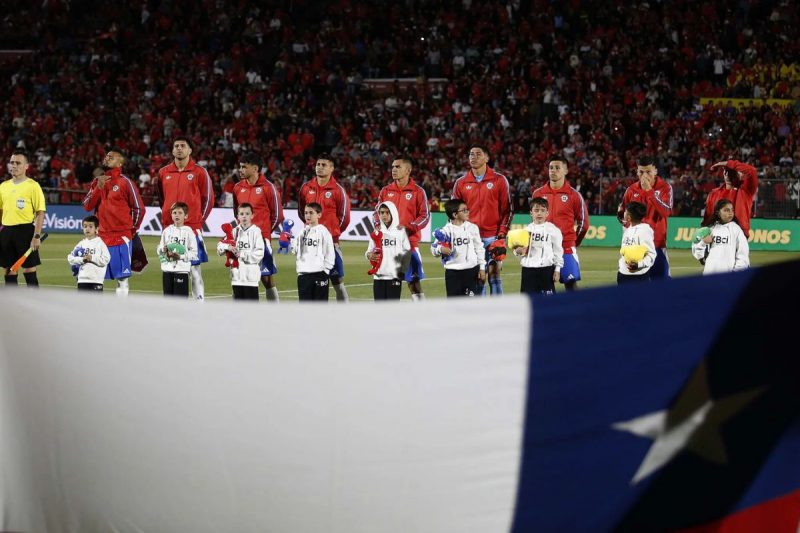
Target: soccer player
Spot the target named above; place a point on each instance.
(22, 209)
(656, 195)
(118, 206)
(253, 188)
(185, 181)
(412, 205)
(324, 190)
(569, 213)
(739, 186)
(488, 198)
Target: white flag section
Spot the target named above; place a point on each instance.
(156, 415)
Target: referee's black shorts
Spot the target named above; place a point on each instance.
(15, 241)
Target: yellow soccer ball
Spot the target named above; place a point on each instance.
(633, 253)
(517, 237)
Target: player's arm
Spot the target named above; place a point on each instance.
(38, 221)
(504, 208)
(301, 203)
(276, 209)
(160, 188)
(137, 206)
(708, 214)
(343, 209)
(580, 212)
(92, 198)
(206, 187)
(750, 179)
(422, 209)
(456, 195)
(662, 203)
(625, 201)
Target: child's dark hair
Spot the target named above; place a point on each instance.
(717, 207)
(180, 205)
(315, 206)
(247, 205)
(637, 211)
(542, 202)
(93, 219)
(451, 207)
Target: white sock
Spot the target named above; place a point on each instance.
(417, 297)
(341, 293)
(198, 286)
(272, 295)
(122, 287)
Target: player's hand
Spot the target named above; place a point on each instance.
(722, 164)
(373, 256)
(632, 267)
(445, 250)
(708, 238)
(482, 276)
(500, 237)
(87, 258)
(647, 183)
(101, 180)
(521, 251)
(556, 276)
(35, 244)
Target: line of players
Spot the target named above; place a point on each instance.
(487, 194)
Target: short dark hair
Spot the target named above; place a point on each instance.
(327, 157)
(185, 139)
(541, 201)
(93, 219)
(315, 206)
(251, 158)
(179, 205)
(646, 161)
(405, 158)
(245, 204)
(118, 150)
(558, 158)
(482, 147)
(20, 152)
(637, 211)
(452, 206)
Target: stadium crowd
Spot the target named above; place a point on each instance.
(600, 82)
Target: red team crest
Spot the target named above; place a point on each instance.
(564, 198)
(258, 190)
(328, 194)
(408, 196)
(489, 186)
(190, 177)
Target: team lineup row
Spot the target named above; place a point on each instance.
(480, 211)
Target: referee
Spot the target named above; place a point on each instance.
(22, 213)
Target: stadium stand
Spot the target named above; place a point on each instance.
(364, 80)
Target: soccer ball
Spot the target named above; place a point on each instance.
(518, 237)
(633, 253)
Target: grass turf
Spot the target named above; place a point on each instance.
(598, 268)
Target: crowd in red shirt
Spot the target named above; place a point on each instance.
(527, 78)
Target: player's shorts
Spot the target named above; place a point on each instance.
(571, 271)
(120, 265)
(338, 263)
(489, 257)
(268, 267)
(415, 271)
(14, 242)
(202, 255)
(660, 268)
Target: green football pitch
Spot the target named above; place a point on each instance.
(598, 268)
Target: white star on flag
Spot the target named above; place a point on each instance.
(692, 423)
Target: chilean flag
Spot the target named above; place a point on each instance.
(670, 406)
